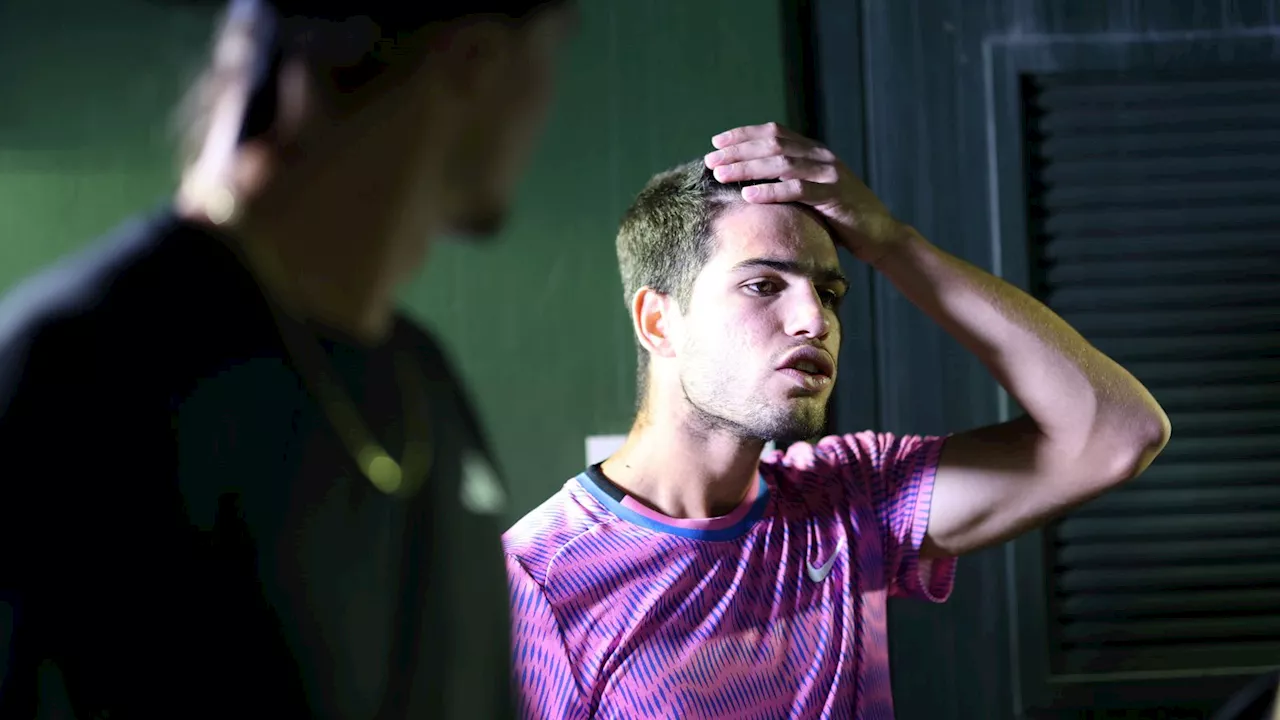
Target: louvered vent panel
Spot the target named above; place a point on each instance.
(1154, 207)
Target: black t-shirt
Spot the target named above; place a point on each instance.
(182, 533)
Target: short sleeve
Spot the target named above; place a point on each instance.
(895, 475)
(545, 681)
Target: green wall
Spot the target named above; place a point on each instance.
(86, 93)
(535, 322)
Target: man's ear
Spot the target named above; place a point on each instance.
(653, 315)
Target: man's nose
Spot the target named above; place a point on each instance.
(807, 316)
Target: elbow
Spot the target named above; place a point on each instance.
(1161, 431)
(1154, 431)
(1147, 437)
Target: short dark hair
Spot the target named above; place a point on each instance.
(667, 236)
(348, 43)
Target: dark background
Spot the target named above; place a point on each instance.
(1121, 159)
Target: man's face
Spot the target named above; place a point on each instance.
(758, 344)
(501, 122)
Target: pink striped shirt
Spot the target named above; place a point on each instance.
(776, 610)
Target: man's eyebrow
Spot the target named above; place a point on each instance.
(826, 275)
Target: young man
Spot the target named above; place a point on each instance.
(239, 483)
(684, 577)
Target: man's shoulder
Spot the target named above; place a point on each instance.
(818, 460)
(86, 284)
(47, 315)
(562, 520)
(849, 467)
(867, 450)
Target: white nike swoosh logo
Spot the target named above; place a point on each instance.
(818, 573)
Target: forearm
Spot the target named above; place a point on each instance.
(1073, 393)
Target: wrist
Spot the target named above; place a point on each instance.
(893, 243)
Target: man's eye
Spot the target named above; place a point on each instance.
(762, 287)
(830, 298)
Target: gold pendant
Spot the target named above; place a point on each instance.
(403, 478)
(381, 469)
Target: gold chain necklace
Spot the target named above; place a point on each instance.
(400, 479)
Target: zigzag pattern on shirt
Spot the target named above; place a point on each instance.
(613, 619)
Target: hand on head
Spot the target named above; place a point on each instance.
(805, 171)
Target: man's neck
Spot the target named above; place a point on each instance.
(338, 272)
(326, 276)
(682, 470)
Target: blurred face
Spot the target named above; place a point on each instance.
(758, 345)
(500, 124)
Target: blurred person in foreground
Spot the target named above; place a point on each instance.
(687, 577)
(240, 482)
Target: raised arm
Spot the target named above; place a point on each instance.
(1089, 424)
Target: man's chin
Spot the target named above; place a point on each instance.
(790, 436)
(794, 429)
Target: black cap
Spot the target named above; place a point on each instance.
(282, 25)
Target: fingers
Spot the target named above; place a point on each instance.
(790, 191)
(778, 167)
(803, 148)
(806, 171)
(754, 132)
